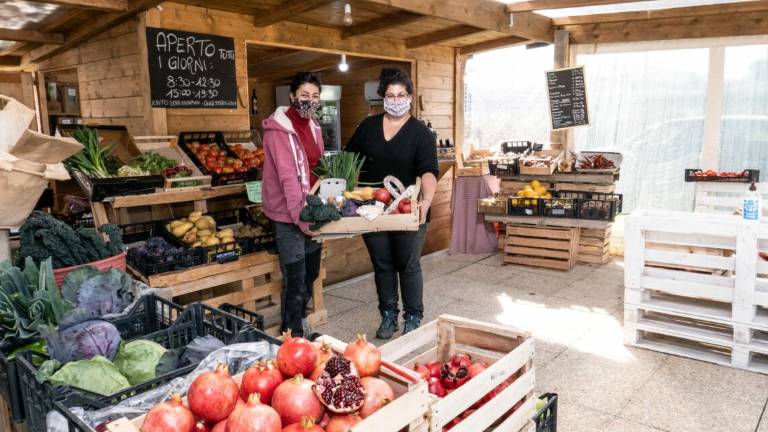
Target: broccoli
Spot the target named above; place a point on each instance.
(306, 214)
(314, 201)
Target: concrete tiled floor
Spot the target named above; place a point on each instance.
(577, 322)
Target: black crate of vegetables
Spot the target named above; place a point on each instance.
(189, 140)
(600, 206)
(546, 418)
(196, 320)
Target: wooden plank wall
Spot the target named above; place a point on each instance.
(108, 71)
(10, 85)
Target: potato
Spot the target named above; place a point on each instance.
(203, 224)
(190, 238)
(225, 233)
(194, 216)
(176, 223)
(181, 230)
(227, 239)
(204, 233)
(211, 241)
(197, 244)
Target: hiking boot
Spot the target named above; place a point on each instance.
(412, 322)
(388, 325)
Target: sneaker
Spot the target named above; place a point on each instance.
(412, 322)
(388, 325)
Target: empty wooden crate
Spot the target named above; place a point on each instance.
(554, 248)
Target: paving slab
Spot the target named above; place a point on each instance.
(578, 418)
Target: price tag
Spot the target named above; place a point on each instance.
(254, 191)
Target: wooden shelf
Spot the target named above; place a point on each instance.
(555, 222)
(603, 179)
(171, 197)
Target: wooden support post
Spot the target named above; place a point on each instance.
(42, 98)
(99, 214)
(562, 60)
(5, 245)
(458, 104)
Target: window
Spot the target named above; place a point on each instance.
(506, 96)
(744, 126)
(648, 105)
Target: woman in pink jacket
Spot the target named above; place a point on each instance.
(293, 144)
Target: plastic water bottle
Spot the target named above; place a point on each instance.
(751, 205)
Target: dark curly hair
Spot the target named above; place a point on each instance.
(391, 76)
(305, 78)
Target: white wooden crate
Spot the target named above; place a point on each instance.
(725, 198)
(713, 306)
(506, 350)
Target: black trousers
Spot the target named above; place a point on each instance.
(397, 255)
(300, 264)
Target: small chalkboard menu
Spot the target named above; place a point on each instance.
(567, 98)
(191, 70)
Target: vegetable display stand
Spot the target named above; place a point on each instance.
(683, 299)
(553, 248)
(168, 147)
(508, 352)
(195, 320)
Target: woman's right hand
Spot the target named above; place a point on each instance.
(311, 233)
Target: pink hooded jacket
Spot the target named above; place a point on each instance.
(286, 171)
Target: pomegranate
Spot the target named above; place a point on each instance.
(341, 394)
(306, 425)
(434, 368)
(422, 370)
(294, 399)
(476, 369)
(492, 394)
(452, 423)
(453, 377)
(436, 387)
(468, 413)
(377, 394)
(343, 423)
(254, 417)
(324, 353)
(461, 359)
(171, 416)
(213, 395)
(296, 356)
(364, 355)
(220, 427)
(201, 427)
(262, 378)
(325, 420)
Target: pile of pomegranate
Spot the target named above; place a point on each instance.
(445, 378)
(306, 388)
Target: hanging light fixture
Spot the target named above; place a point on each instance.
(343, 66)
(348, 14)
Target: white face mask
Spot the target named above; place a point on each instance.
(398, 107)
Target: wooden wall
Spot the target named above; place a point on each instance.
(108, 73)
(10, 85)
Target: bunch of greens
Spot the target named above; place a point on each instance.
(43, 236)
(153, 163)
(29, 299)
(343, 165)
(318, 212)
(94, 160)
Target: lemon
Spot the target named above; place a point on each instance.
(548, 195)
(541, 190)
(514, 202)
(535, 184)
(528, 188)
(520, 193)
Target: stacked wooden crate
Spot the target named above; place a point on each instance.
(548, 247)
(696, 287)
(594, 246)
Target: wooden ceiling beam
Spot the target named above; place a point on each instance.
(488, 15)
(532, 5)
(272, 56)
(751, 6)
(31, 36)
(441, 36)
(320, 65)
(505, 42)
(12, 49)
(396, 19)
(704, 26)
(102, 5)
(93, 28)
(287, 10)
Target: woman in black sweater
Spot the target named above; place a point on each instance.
(397, 144)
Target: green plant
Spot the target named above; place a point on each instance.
(93, 160)
(343, 165)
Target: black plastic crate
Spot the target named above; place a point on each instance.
(506, 166)
(524, 206)
(216, 138)
(600, 206)
(546, 418)
(752, 176)
(186, 258)
(98, 189)
(195, 321)
(9, 380)
(516, 147)
(251, 317)
(559, 207)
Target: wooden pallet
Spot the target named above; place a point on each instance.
(594, 246)
(548, 247)
(509, 353)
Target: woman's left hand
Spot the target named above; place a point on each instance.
(423, 210)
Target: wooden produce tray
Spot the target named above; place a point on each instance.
(546, 170)
(168, 146)
(348, 226)
(406, 411)
(509, 353)
(497, 206)
(547, 247)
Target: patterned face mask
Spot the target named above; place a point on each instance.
(306, 108)
(398, 107)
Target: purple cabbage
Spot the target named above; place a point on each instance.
(82, 340)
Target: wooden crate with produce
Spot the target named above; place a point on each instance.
(489, 366)
(184, 175)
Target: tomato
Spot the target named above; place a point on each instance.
(194, 146)
(237, 163)
(228, 170)
(241, 169)
(217, 170)
(210, 159)
(230, 161)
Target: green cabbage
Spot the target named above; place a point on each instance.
(137, 360)
(97, 375)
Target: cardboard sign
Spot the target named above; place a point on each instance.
(254, 191)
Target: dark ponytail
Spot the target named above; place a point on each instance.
(392, 76)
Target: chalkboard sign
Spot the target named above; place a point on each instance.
(567, 98)
(191, 70)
